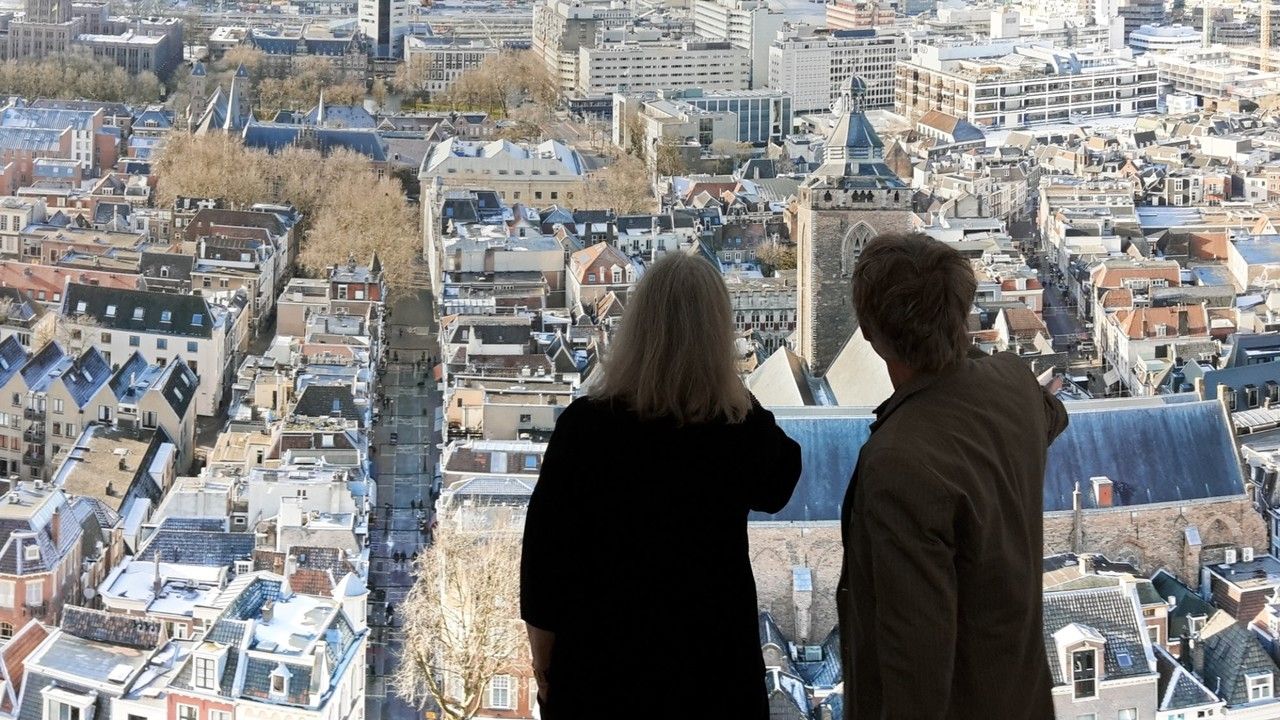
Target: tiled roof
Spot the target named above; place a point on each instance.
(101, 626)
(1232, 652)
(1112, 613)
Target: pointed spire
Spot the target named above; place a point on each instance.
(241, 72)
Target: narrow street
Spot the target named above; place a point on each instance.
(405, 456)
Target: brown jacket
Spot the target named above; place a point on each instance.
(940, 597)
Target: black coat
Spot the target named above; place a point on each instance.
(635, 556)
(940, 598)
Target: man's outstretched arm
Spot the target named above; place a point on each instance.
(909, 515)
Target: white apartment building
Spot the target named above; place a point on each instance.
(1164, 38)
(635, 67)
(384, 23)
(550, 172)
(444, 59)
(748, 24)
(814, 65)
(1001, 84)
(15, 215)
(562, 27)
(1213, 72)
(160, 326)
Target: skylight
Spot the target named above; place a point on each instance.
(1123, 659)
(111, 311)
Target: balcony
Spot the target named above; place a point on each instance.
(33, 458)
(33, 414)
(34, 434)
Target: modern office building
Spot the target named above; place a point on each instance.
(1164, 38)
(562, 27)
(1000, 84)
(385, 23)
(645, 66)
(813, 65)
(1213, 72)
(748, 24)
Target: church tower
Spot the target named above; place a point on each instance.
(852, 197)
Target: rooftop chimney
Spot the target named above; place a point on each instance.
(1102, 491)
(268, 610)
(802, 598)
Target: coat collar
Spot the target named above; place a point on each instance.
(900, 395)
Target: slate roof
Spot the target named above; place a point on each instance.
(829, 445)
(12, 358)
(86, 376)
(1178, 688)
(1232, 652)
(274, 137)
(122, 381)
(1186, 603)
(824, 673)
(178, 386)
(33, 700)
(188, 315)
(1110, 612)
(1153, 454)
(36, 372)
(328, 401)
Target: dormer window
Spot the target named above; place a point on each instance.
(205, 672)
(166, 316)
(280, 682)
(31, 553)
(111, 311)
(1195, 623)
(80, 307)
(138, 313)
(1261, 686)
(197, 320)
(1084, 673)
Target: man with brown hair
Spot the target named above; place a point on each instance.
(940, 597)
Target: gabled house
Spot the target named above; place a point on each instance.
(160, 326)
(596, 270)
(1100, 657)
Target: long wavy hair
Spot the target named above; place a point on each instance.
(674, 354)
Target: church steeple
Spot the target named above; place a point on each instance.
(853, 142)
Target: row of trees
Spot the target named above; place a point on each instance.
(347, 209)
(498, 85)
(78, 74)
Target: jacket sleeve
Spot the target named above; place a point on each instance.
(909, 519)
(775, 462)
(1055, 414)
(546, 554)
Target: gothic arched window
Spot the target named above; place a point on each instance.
(851, 248)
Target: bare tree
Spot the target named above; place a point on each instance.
(362, 217)
(623, 186)
(670, 159)
(777, 256)
(502, 83)
(461, 621)
(74, 334)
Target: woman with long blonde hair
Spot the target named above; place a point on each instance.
(635, 549)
